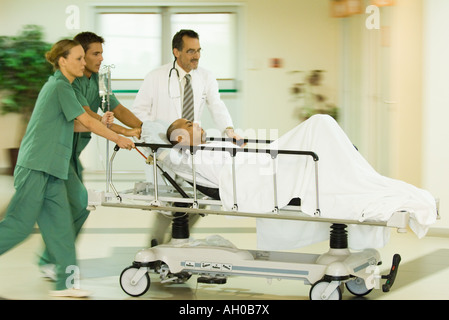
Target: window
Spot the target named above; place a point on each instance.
(138, 39)
(132, 42)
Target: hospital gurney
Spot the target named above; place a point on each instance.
(178, 260)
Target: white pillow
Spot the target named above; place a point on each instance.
(155, 132)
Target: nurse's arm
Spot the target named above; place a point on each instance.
(106, 120)
(133, 132)
(79, 127)
(95, 126)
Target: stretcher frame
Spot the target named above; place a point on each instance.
(178, 260)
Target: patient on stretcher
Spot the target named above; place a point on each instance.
(349, 188)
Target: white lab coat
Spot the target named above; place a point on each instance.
(153, 101)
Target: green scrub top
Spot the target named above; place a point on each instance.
(47, 144)
(88, 94)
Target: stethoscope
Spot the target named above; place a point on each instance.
(169, 82)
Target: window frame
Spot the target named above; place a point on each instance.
(166, 10)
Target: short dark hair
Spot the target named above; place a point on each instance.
(86, 38)
(177, 38)
(170, 130)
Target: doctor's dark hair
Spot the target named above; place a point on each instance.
(60, 49)
(86, 38)
(177, 38)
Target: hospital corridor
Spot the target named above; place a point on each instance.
(224, 150)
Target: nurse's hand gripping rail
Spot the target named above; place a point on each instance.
(176, 262)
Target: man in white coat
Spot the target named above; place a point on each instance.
(161, 97)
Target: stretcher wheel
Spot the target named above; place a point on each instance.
(357, 287)
(134, 290)
(320, 287)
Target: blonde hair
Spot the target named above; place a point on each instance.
(60, 49)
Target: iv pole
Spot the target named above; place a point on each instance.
(105, 91)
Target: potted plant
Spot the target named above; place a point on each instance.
(23, 72)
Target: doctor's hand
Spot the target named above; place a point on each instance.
(124, 143)
(231, 134)
(108, 118)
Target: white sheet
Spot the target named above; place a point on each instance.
(349, 188)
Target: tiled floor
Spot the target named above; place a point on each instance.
(112, 236)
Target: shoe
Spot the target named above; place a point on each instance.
(48, 272)
(73, 293)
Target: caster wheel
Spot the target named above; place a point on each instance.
(357, 287)
(317, 290)
(134, 290)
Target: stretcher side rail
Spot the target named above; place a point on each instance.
(154, 147)
(239, 142)
(398, 220)
(233, 151)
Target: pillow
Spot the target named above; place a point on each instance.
(155, 132)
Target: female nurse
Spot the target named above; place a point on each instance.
(42, 167)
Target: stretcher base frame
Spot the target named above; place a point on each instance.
(327, 273)
(177, 261)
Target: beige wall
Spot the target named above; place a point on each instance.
(435, 112)
(305, 37)
(407, 73)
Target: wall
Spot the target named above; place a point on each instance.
(407, 71)
(305, 37)
(435, 114)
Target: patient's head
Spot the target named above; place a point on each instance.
(186, 133)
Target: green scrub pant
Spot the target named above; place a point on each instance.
(41, 198)
(78, 199)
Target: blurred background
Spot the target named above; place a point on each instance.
(378, 66)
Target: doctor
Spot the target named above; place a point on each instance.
(181, 90)
(164, 94)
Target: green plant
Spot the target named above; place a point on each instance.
(311, 101)
(23, 70)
